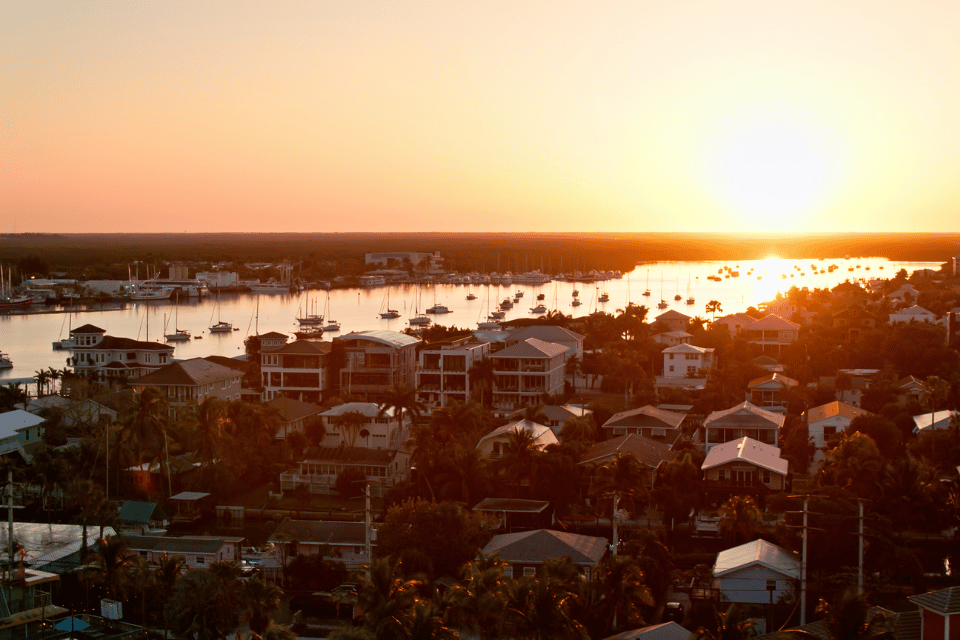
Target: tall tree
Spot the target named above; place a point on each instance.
(402, 400)
(622, 478)
(261, 601)
(618, 592)
(111, 567)
(740, 519)
(481, 374)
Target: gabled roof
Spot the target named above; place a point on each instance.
(224, 361)
(915, 310)
(748, 450)
(88, 328)
(672, 315)
(132, 512)
(511, 505)
(944, 601)
(646, 416)
(746, 410)
(687, 348)
(559, 413)
(649, 452)
(835, 408)
(909, 382)
(757, 553)
(273, 335)
(388, 338)
(368, 409)
(935, 422)
(531, 348)
(291, 410)
(772, 322)
(788, 383)
(190, 373)
(542, 435)
(533, 547)
(319, 532)
(547, 333)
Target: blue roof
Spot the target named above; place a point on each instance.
(132, 512)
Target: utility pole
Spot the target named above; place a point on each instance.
(366, 522)
(803, 568)
(860, 550)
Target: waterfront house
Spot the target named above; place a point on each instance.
(742, 420)
(734, 323)
(555, 415)
(672, 338)
(109, 358)
(853, 321)
(186, 383)
(374, 361)
(443, 375)
(687, 361)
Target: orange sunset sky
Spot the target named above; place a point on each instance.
(349, 115)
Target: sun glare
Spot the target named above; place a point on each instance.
(772, 173)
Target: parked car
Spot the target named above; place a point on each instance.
(673, 612)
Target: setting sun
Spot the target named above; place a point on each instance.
(772, 172)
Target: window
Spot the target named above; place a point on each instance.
(201, 561)
(529, 571)
(765, 476)
(721, 475)
(829, 431)
(508, 572)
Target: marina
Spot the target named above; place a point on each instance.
(27, 335)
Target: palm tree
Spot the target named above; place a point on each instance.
(729, 625)
(618, 590)
(166, 573)
(11, 395)
(623, 477)
(385, 597)
(42, 377)
(541, 609)
(849, 617)
(843, 382)
(572, 367)
(403, 401)
(349, 424)
(463, 476)
(54, 375)
(111, 567)
(936, 390)
(740, 519)
(262, 601)
(478, 603)
(145, 426)
(519, 457)
(713, 307)
(87, 495)
(481, 375)
(206, 421)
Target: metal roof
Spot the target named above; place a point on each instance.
(758, 552)
(389, 338)
(533, 547)
(748, 450)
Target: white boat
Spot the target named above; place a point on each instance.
(662, 304)
(604, 297)
(332, 325)
(491, 325)
(5, 362)
(270, 287)
(576, 302)
(385, 311)
(220, 326)
(538, 309)
(178, 334)
(310, 319)
(471, 296)
(420, 320)
(438, 308)
(497, 315)
(309, 332)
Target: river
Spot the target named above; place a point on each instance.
(28, 338)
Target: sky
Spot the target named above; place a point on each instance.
(529, 115)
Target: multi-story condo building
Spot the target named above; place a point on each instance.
(296, 370)
(527, 373)
(376, 360)
(442, 374)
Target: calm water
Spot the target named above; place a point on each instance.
(27, 338)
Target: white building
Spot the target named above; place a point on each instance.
(376, 431)
(912, 314)
(826, 420)
(754, 572)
